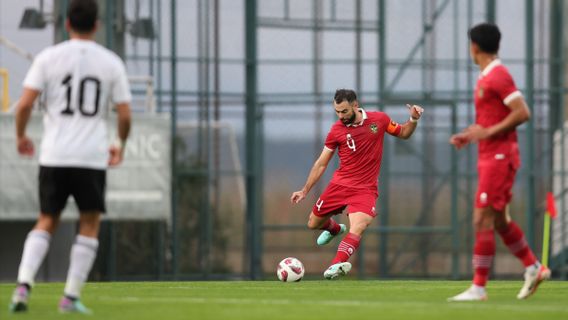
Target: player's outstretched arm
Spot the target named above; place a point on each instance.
(315, 174)
(23, 112)
(409, 127)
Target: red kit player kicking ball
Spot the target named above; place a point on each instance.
(499, 109)
(358, 138)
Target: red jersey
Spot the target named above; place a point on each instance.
(495, 89)
(360, 149)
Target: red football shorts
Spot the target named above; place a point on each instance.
(496, 179)
(336, 198)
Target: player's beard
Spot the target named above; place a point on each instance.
(350, 120)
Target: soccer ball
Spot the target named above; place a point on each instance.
(290, 270)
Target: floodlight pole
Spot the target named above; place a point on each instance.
(490, 6)
(383, 181)
(557, 118)
(173, 126)
(253, 146)
(529, 96)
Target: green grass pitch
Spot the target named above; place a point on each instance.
(266, 300)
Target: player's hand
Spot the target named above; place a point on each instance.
(116, 155)
(297, 196)
(459, 140)
(415, 111)
(25, 146)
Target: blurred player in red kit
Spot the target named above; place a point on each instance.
(358, 138)
(499, 109)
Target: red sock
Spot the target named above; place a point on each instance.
(483, 253)
(331, 226)
(346, 248)
(514, 238)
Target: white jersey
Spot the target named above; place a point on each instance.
(80, 81)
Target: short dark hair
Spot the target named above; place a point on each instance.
(82, 15)
(487, 36)
(344, 95)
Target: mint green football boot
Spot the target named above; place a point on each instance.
(326, 236)
(67, 305)
(336, 270)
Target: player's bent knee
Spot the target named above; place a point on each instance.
(483, 224)
(484, 219)
(312, 225)
(315, 222)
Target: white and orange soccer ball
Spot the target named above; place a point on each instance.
(290, 270)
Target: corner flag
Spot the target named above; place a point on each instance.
(550, 213)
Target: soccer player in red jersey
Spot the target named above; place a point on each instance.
(499, 109)
(358, 138)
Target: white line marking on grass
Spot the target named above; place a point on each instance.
(517, 308)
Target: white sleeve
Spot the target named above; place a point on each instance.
(512, 96)
(36, 77)
(121, 89)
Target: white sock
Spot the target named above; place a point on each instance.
(478, 289)
(533, 268)
(35, 249)
(83, 254)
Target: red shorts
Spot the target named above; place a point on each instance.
(496, 179)
(336, 198)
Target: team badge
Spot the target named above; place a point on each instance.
(480, 92)
(374, 128)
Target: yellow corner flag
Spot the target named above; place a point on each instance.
(550, 213)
